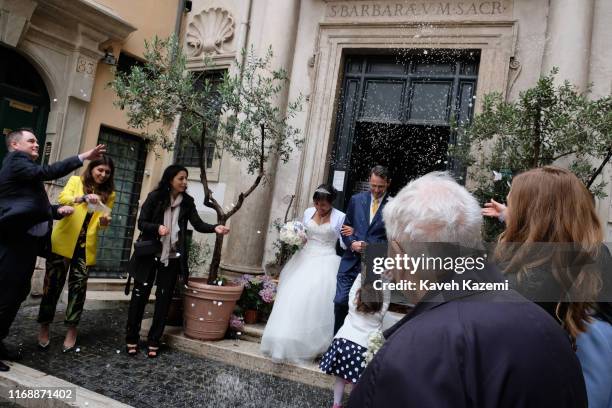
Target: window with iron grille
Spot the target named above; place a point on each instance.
(126, 62)
(115, 243)
(186, 151)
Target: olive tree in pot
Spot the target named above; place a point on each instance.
(236, 115)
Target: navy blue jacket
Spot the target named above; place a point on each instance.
(23, 199)
(473, 349)
(358, 217)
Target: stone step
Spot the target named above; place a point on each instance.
(253, 332)
(105, 299)
(106, 284)
(21, 378)
(243, 354)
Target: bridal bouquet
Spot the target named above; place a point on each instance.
(293, 234)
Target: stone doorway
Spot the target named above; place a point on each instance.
(398, 110)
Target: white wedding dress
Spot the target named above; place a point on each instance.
(301, 324)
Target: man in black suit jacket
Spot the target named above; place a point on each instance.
(25, 221)
(463, 346)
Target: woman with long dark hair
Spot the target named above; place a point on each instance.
(163, 218)
(74, 245)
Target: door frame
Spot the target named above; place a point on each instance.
(351, 104)
(494, 39)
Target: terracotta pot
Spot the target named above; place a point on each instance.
(250, 316)
(207, 309)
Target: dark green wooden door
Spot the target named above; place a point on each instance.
(24, 101)
(397, 111)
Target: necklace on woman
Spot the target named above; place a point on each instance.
(324, 216)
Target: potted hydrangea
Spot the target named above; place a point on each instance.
(257, 297)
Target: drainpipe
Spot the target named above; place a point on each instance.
(179, 18)
(243, 33)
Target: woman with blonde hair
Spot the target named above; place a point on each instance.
(551, 205)
(571, 279)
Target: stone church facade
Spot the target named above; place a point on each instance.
(388, 69)
(380, 80)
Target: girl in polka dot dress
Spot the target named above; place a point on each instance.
(345, 357)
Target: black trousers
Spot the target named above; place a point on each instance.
(340, 313)
(166, 280)
(17, 262)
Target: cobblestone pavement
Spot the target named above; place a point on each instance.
(174, 379)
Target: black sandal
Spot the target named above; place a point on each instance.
(152, 352)
(131, 349)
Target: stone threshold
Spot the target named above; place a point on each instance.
(21, 377)
(244, 354)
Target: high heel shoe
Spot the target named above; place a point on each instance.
(44, 333)
(65, 348)
(68, 349)
(131, 349)
(152, 352)
(44, 346)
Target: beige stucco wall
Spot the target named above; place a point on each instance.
(149, 21)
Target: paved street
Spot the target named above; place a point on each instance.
(174, 379)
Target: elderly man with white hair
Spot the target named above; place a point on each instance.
(462, 347)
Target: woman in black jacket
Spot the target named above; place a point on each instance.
(163, 218)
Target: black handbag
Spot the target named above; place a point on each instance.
(145, 248)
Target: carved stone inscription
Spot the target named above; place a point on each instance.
(411, 10)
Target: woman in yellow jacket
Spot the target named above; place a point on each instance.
(74, 244)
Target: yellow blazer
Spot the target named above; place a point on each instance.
(66, 231)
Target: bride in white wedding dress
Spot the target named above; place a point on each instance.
(301, 324)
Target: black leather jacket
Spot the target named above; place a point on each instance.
(151, 217)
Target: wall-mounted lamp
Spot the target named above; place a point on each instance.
(109, 58)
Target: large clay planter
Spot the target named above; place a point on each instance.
(207, 309)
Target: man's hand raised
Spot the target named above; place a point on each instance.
(94, 153)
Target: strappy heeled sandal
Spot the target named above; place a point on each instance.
(131, 349)
(152, 352)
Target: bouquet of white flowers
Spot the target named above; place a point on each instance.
(293, 234)
(375, 342)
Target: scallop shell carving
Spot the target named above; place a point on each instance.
(209, 30)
